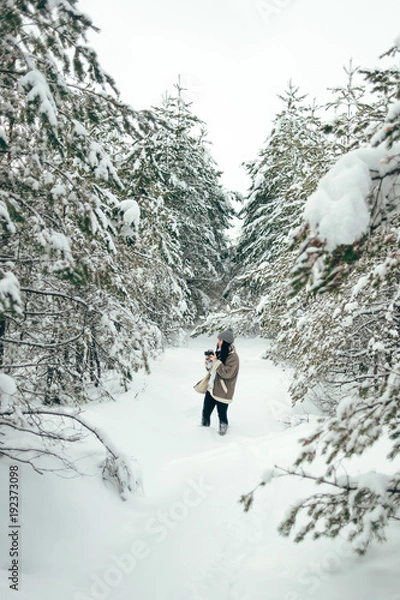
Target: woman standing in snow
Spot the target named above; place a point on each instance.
(224, 368)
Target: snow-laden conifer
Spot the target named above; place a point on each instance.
(67, 314)
(287, 170)
(347, 350)
(186, 212)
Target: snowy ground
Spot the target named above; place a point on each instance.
(186, 537)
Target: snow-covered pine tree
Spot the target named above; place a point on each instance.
(385, 85)
(357, 114)
(66, 317)
(294, 157)
(351, 256)
(160, 277)
(197, 200)
(302, 332)
(268, 215)
(322, 344)
(184, 213)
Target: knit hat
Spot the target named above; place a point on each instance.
(226, 336)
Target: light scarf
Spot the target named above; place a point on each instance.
(213, 373)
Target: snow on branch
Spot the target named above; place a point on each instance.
(338, 211)
(4, 213)
(352, 200)
(10, 298)
(131, 216)
(116, 467)
(360, 506)
(39, 91)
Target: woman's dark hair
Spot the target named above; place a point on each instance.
(225, 349)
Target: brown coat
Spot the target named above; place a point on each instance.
(226, 377)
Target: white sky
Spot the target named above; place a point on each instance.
(235, 56)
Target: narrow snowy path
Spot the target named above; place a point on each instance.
(190, 520)
(197, 542)
(163, 424)
(186, 537)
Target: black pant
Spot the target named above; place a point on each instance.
(209, 405)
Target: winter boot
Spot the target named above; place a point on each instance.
(223, 427)
(205, 423)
